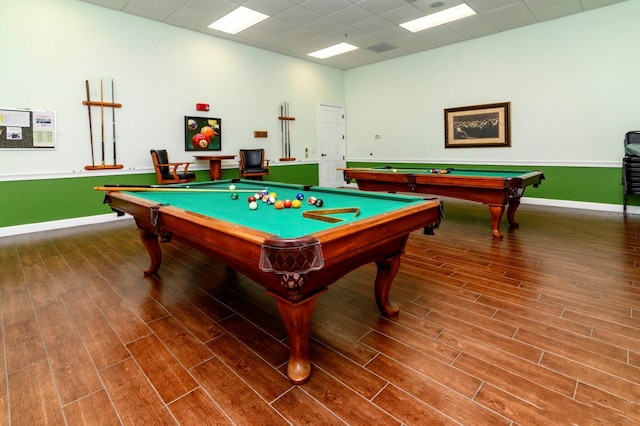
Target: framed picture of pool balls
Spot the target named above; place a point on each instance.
(202, 134)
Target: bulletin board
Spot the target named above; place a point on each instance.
(27, 129)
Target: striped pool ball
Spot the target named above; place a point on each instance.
(311, 200)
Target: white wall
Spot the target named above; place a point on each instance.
(573, 84)
(50, 47)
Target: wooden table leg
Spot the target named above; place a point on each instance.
(297, 320)
(496, 217)
(150, 241)
(387, 271)
(514, 203)
(215, 169)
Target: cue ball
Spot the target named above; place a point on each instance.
(253, 205)
(232, 187)
(300, 196)
(319, 202)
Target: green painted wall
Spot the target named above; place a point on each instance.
(35, 201)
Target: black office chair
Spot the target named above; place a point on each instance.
(631, 167)
(167, 172)
(253, 164)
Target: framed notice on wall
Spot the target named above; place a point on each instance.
(27, 129)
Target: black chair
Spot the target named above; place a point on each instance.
(253, 164)
(631, 166)
(167, 172)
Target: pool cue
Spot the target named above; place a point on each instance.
(159, 189)
(113, 120)
(102, 119)
(284, 154)
(287, 142)
(93, 162)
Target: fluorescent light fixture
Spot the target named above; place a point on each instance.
(238, 20)
(439, 18)
(332, 51)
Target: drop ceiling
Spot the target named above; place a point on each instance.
(298, 27)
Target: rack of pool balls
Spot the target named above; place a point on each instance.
(271, 198)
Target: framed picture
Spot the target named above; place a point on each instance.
(477, 126)
(202, 134)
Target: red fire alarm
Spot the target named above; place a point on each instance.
(202, 107)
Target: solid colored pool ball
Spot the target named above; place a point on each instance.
(319, 202)
(300, 196)
(234, 196)
(279, 204)
(296, 204)
(273, 194)
(232, 187)
(253, 205)
(287, 204)
(311, 200)
(251, 198)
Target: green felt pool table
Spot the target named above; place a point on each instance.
(494, 188)
(294, 257)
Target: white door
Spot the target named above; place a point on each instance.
(331, 145)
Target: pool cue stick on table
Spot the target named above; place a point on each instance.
(93, 162)
(165, 189)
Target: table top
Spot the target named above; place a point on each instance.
(282, 223)
(214, 157)
(500, 174)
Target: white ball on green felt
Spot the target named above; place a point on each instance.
(232, 187)
(253, 205)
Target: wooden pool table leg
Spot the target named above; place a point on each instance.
(496, 216)
(387, 271)
(514, 203)
(150, 241)
(297, 319)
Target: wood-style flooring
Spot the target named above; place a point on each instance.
(539, 328)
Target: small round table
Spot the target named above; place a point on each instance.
(215, 164)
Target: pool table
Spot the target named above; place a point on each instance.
(293, 256)
(495, 188)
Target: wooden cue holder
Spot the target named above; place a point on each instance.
(102, 105)
(285, 118)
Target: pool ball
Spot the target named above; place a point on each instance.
(311, 200)
(198, 140)
(287, 204)
(273, 194)
(319, 202)
(251, 198)
(208, 131)
(264, 192)
(279, 204)
(232, 187)
(253, 205)
(296, 204)
(265, 198)
(300, 196)
(234, 196)
(271, 200)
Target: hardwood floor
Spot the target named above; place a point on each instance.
(542, 327)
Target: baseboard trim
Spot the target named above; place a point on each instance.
(59, 224)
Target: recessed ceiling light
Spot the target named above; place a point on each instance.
(238, 20)
(439, 18)
(332, 51)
